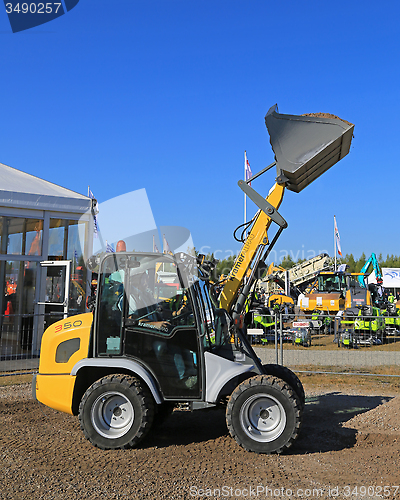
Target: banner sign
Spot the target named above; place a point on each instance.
(391, 277)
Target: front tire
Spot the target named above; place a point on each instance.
(117, 411)
(264, 415)
(290, 378)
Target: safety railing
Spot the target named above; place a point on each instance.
(332, 343)
(20, 336)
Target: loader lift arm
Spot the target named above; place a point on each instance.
(305, 147)
(252, 254)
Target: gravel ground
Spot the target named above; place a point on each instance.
(348, 440)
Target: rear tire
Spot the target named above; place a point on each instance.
(290, 378)
(264, 415)
(117, 411)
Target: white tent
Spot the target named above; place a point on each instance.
(41, 225)
(21, 190)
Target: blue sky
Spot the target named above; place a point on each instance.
(166, 95)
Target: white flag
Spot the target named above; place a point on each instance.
(337, 238)
(247, 170)
(166, 248)
(155, 248)
(109, 248)
(95, 224)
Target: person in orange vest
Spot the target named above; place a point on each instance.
(9, 309)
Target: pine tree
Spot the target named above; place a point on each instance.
(287, 262)
(360, 262)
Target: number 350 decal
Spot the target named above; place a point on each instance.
(68, 325)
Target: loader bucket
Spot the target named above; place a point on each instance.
(306, 146)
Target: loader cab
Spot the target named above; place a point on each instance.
(135, 318)
(356, 295)
(331, 283)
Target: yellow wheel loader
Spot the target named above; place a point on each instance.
(122, 368)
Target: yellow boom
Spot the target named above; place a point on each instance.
(256, 241)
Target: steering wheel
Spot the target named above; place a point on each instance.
(176, 320)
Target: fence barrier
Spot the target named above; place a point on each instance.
(323, 343)
(320, 343)
(20, 336)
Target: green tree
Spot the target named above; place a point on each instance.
(287, 262)
(350, 261)
(224, 266)
(355, 265)
(360, 262)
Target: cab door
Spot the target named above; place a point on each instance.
(56, 276)
(145, 313)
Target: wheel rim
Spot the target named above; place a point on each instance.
(263, 418)
(112, 415)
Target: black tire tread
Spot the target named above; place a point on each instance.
(142, 393)
(278, 384)
(290, 378)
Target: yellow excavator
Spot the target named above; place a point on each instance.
(334, 291)
(123, 368)
(281, 297)
(326, 293)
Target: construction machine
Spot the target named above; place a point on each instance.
(281, 289)
(324, 298)
(389, 311)
(361, 322)
(272, 286)
(391, 315)
(334, 291)
(301, 333)
(376, 267)
(123, 368)
(325, 293)
(376, 290)
(280, 299)
(300, 275)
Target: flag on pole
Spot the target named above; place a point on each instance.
(166, 248)
(95, 225)
(337, 238)
(109, 248)
(155, 248)
(247, 170)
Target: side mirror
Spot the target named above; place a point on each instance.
(93, 262)
(133, 263)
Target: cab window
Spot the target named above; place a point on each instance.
(109, 310)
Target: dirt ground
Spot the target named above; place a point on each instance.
(348, 448)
